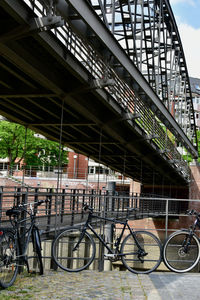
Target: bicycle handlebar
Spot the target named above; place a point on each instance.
(16, 210)
(87, 207)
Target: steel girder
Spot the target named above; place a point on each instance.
(147, 31)
(82, 17)
(146, 125)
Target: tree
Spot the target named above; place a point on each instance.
(189, 157)
(18, 144)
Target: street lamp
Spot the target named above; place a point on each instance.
(75, 157)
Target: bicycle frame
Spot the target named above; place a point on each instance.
(23, 248)
(116, 249)
(196, 223)
(26, 235)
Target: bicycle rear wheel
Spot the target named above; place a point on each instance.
(37, 256)
(131, 257)
(181, 251)
(72, 251)
(9, 252)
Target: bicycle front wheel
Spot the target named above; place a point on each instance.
(9, 253)
(72, 251)
(141, 260)
(181, 251)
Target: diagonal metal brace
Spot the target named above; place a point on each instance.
(35, 25)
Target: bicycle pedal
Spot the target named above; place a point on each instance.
(32, 272)
(109, 255)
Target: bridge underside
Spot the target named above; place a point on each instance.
(45, 88)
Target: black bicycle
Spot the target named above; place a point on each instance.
(74, 249)
(14, 243)
(181, 250)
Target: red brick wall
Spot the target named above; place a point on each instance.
(195, 182)
(77, 166)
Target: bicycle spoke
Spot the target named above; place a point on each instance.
(181, 252)
(8, 260)
(71, 256)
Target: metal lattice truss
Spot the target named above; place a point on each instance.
(146, 86)
(147, 31)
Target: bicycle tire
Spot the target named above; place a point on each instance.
(150, 244)
(9, 253)
(66, 257)
(174, 255)
(37, 255)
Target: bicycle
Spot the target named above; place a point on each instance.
(14, 244)
(74, 249)
(181, 250)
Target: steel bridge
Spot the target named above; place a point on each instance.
(106, 78)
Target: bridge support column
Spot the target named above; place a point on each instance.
(108, 227)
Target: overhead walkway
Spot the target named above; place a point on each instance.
(69, 79)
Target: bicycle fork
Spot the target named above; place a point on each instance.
(140, 252)
(186, 243)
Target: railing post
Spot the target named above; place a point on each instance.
(108, 227)
(35, 200)
(17, 196)
(73, 207)
(49, 210)
(83, 202)
(23, 227)
(166, 217)
(62, 205)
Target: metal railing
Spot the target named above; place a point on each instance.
(65, 208)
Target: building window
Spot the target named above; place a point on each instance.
(91, 170)
(99, 170)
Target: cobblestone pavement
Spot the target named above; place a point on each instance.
(108, 285)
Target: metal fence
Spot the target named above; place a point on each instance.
(65, 208)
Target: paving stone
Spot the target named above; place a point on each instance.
(108, 285)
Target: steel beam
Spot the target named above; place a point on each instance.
(108, 41)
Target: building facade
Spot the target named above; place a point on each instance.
(195, 87)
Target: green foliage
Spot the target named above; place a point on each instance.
(189, 157)
(35, 151)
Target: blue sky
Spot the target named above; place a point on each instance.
(187, 15)
(188, 11)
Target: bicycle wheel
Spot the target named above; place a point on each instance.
(36, 259)
(131, 257)
(181, 251)
(9, 252)
(69, 255)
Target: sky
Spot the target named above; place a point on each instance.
(187, 15)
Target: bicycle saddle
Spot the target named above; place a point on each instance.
(13, 212)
